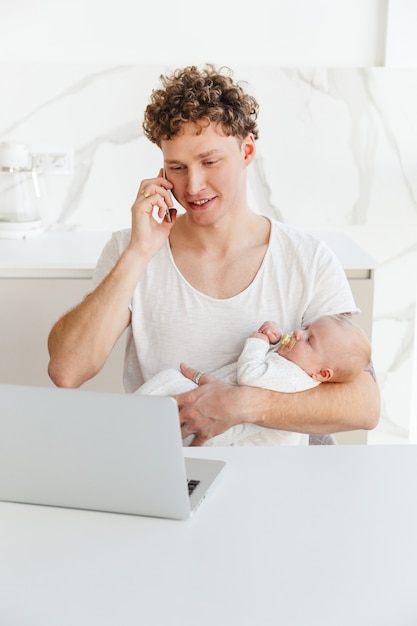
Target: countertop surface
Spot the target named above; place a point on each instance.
(52, 253)
(75, 253)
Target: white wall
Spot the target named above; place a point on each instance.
(283, 32)
(401, 44)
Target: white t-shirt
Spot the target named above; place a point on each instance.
(299, 280)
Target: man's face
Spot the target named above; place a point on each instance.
(208, 171)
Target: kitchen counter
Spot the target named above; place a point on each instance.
(64, 253)
(52, 254)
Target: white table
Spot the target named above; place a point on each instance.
(308, 536)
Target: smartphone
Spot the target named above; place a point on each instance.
(167, 212)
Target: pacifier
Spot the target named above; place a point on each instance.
(288, 341)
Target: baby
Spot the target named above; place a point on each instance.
(330, 349)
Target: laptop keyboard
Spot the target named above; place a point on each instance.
(192, 484)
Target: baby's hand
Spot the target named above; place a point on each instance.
(271, 330)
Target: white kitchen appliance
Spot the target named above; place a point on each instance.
(19, 193)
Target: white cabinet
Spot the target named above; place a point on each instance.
(42, 278)
(29, 308)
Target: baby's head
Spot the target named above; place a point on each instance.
(330, 348)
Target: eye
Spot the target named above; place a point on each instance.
(210, 163)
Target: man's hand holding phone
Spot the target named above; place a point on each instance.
(148, 233)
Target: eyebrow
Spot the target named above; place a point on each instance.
(202, 155)
(208, 153)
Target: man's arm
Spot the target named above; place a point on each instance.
(333, 407)
(80, 342)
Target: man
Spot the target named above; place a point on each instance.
(193, 286)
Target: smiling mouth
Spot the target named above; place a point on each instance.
(200, 204)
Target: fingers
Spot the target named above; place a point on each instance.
(152, 216)
(198, 440)
(199, 378)
(271, 330)
(192, 433)
(148, 185)
(155, 192)
(199, 410)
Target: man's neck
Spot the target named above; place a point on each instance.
(226, 235)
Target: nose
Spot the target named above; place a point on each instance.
(195, 181)
(298, 334)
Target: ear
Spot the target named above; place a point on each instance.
(323, 375)
(249, 148)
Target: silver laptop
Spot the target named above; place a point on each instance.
(120, 453)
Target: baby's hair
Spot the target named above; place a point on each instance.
(353, 355)
(200, 96)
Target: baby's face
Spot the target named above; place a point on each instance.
(308, 347)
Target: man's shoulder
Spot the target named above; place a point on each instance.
(118, 241)
(122, 235)
(285, 233)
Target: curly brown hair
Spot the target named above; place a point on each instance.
(200, 96)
